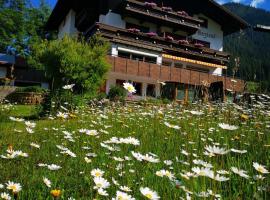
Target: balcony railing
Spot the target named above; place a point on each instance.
(157, 43)
(157, 14)
(170, 74)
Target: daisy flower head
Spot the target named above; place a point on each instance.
(129, 87)
(149, 194)
(5, 196)
(260, 168)
(15, 187)
(97, 172)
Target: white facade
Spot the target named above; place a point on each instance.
(213, 34)
(68, 25)
(112, 19)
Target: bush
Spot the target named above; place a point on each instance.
(117, 93)
(36, 89)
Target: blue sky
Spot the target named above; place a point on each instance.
(265, 4)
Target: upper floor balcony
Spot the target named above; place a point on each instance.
(161, 44)
(161, 15)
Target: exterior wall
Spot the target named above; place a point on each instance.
(3, 72)
(212, 34)
(68, 25)
(112, 19)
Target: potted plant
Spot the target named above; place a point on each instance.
(133, 30)
(167, 9)
(183, 13)
(169, 38)
(151, 34)
(183, 42)
(200, 45)
(150, 4)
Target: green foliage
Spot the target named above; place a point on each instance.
(72, 60)
(252, 47)
(21, 24)
(36, 89)
(253, 87)
(117, 93)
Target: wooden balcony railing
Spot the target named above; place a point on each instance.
(170, 74)
(157, 43)
(157, 15)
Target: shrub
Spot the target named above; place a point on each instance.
(117, 93)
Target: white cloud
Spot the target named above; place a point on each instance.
(254, 3)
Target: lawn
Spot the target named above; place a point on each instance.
(191, 152)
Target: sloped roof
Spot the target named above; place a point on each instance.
(230, 22)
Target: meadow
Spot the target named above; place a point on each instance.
(133, 151)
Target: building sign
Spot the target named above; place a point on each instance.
(206, 35)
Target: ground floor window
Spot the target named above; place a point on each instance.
(120, 82)
(181, 92)
(150, 90)
(138, 87)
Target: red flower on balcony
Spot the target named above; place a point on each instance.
(183, 42)
(168, 9)
(169, 38)
(151, 34)
(150, 4)
(183, 13)
(133, 30)
(198, 45)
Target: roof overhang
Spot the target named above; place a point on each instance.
(229, 22)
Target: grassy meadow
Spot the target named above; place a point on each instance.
(178, 152)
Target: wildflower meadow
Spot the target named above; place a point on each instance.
(136, 151)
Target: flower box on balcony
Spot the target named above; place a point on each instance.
(183, 13)
(133, 30)
(150, 4)
(167, 9)
(199, 45)
(169, 38)
(151, 34)
(183, 42)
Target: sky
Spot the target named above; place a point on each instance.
(265, 4)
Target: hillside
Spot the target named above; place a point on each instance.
(252, 47)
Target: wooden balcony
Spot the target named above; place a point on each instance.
(170, 74)
(160, 44)
(158, 15)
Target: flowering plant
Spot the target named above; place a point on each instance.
(133, 30)
(150, 4)
(183, 13)
(151, 34)
(198, 45)
(168, 9)
(170, 38)
(183, 42)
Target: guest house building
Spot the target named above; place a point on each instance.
(166, 47)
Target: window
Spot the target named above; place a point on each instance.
(150, 91)
(120, 82)
(205, 22)
(181, 92)
(124, 54)
(150, 59)
(138, 87)
(137, 57)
